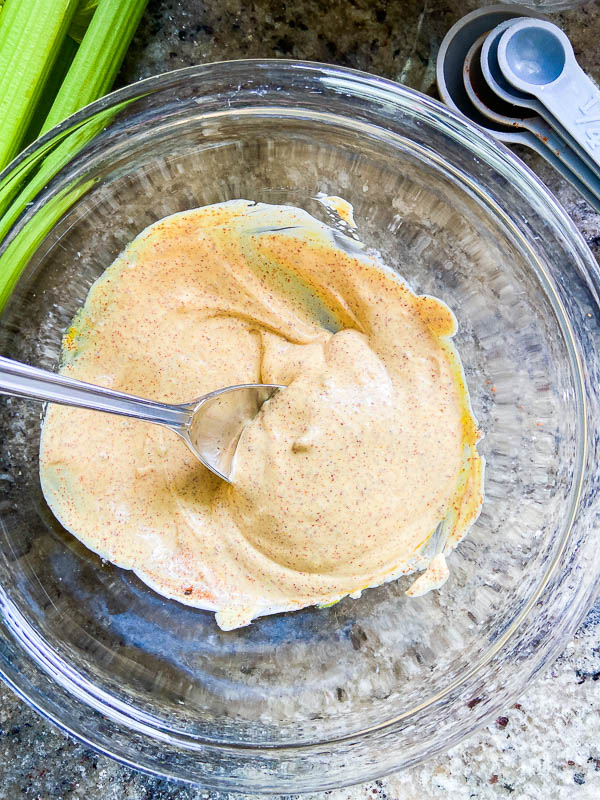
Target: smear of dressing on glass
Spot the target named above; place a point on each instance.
(343, 476)
(339, 206)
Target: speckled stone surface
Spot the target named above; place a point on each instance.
(546, 746)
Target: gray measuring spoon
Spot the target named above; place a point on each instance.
(537, 57)
(210, 425)
(501, 112)
(455, 46)
(520, 100)
(453, 93)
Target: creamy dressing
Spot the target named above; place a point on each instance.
(343, 476)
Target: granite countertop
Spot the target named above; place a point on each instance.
(547, 745)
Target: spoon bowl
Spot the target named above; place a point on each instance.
(496, 80)
(218, 420)
(536, 57)
(485, 101)
(453, 50)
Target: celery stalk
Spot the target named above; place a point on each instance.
(18, 252)
(10, 186)
(31, 33)
(64, 59)
(21, 249)
(91, 73)
(82, 18)
(98, 58)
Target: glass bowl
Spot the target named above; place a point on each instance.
(547, 6)
(317, 698)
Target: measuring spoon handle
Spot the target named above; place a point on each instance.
(539, 147)
(563, 152)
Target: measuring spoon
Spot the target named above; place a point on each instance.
(503, 89)
(537, 57)
(503, 113)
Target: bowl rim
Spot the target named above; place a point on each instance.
(463, 130)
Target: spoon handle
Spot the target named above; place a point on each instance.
(575, 102)
(23, 380)
(564, 153)
(561, 167)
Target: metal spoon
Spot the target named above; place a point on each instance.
(211, 425)
(522, 102)
(537, 57)
(503, 113)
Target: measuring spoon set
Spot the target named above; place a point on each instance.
(514, 73)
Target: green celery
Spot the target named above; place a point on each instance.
(63, 62)
(10, 186)
(23, 245)
(22, 248)
(49, 167)
(98, 58)
(91, 73)
(31, 33)
(82, 18)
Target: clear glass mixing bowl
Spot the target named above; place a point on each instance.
(318, 698)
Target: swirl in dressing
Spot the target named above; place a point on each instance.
(342, 477)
